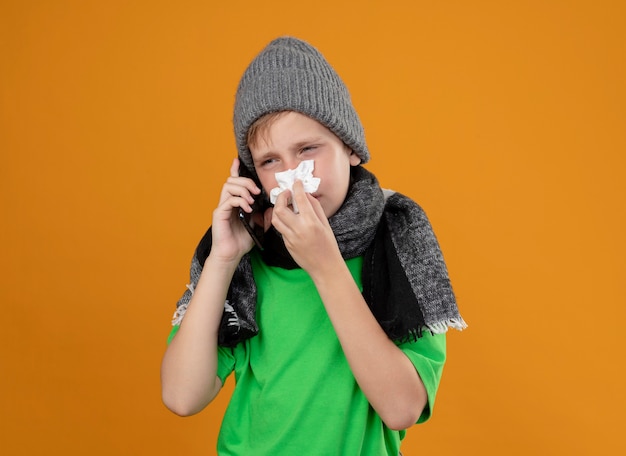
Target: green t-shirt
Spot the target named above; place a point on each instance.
(295, 393)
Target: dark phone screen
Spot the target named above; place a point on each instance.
(261, 203)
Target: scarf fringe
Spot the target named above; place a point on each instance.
(441, 327)
(231, 316)
(178, 316)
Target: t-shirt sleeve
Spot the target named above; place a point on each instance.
(225, 362)
(172, 333)
(428, 355)
(225, 357)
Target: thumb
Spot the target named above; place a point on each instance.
(317, 209)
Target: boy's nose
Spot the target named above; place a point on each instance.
(291, 163)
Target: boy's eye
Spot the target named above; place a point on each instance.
(308, 148)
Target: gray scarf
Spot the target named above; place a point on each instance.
(405, 279)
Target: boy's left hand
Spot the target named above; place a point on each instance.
(307, 235)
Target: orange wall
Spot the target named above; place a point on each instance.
(505, 120)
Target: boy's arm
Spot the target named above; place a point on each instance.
(189, 368)
(384, 373)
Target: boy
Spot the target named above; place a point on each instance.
(334, 324)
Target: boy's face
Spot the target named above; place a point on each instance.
(294, 137)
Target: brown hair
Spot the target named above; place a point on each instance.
(259, 128)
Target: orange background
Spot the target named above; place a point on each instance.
(505, 120)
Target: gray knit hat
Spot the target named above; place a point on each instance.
(291, 75)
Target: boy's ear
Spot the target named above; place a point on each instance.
(354, 159)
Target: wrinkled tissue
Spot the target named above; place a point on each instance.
(286, 179)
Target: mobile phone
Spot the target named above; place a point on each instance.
(244, 217)
(261, 203)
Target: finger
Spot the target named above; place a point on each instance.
(234, 168)
(238, 189)
(282, 202)
(244, 182)
(317, 208)
(282, 213)
(234, 179)
(234, 202)
(299, 196)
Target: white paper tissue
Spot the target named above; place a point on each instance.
(285, 180)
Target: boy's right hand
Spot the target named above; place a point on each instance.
(230, 238)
